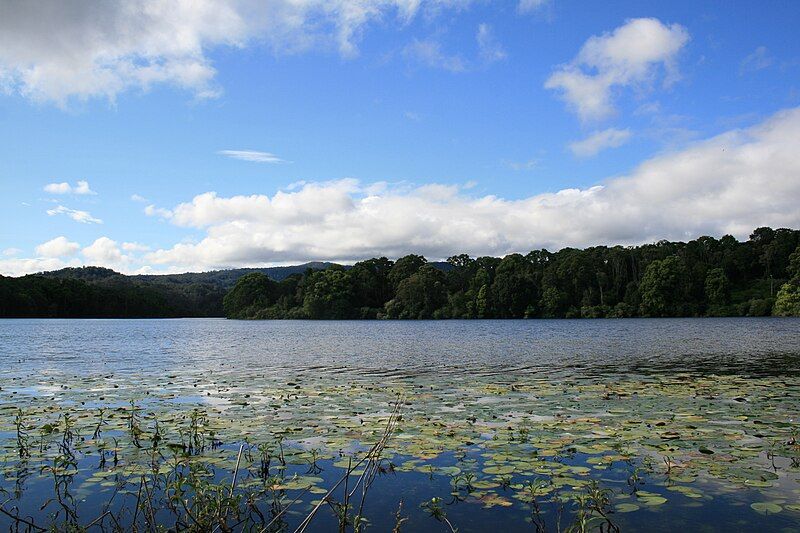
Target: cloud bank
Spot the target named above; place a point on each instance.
(55, 51)
(728, 184)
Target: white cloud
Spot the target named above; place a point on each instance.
(759, 59)
(630, 55)
(489, 49)
(78, 216)
(11, 252)
(252, 155)
(728, 184)
(529, 6)
(138, 198)
(429, 53)
(55, 51)
(731, 183)
(134, 247)
(58, 247)
(600, 140)
(104, 252)
(80, 187)
(153, 211)
(53, 254)
(20, 267)
(58, 188)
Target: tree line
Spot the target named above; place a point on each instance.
(95, 292)
(702, 277)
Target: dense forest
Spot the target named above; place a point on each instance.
(103, 293)
(703, 277)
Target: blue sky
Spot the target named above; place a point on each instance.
(388, 127)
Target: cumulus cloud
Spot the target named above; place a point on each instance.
(58, 247)
(22, 266)
(56, 254)
(80, 187)
(58, 188)
(78, 216)
(599, 141)
(730, 183)
(134, 247)
(54, 51)
(252, 155)
(104, 251)
(630, 55)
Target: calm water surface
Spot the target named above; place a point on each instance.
(714, 344)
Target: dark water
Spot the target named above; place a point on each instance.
(730, 387)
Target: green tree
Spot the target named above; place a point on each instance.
(717, 287)
(404, 268)
(514, 287)
(328, 294)
(419, 295)
(370, 279)
(664, 287)
(787, 302)
(251, 293)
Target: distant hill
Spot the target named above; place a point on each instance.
(99, 292)
(193, 294)
(228, 278)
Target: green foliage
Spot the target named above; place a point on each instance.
(514, 287)
(252, 292)
(404, 268)
(706, 276)
(328, 294)
(787, 302)
(717, 287)
(664, 287)
(419, 295)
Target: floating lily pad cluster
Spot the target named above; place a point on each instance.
(533, 444)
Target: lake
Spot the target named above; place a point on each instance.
(635, 424)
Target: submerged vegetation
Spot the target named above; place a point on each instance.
(703, 277)
(550, 452)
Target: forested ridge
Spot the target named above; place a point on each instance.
(703, 277)
(96, 292)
